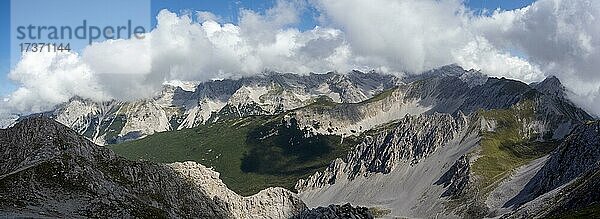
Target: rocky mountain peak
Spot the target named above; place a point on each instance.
(448, 70)
(36, 139)
(31, 126)
(471, 77)
(551, 86)
(217, 89)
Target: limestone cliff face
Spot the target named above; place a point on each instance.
(327, 117)
(451, 90)
(408, 141)
(456, 179)
(268, 203)
(48, 170)
(7, 120)
(343, 104)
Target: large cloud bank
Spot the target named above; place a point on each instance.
(553, 37)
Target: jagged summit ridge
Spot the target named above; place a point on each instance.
(438, 93)
(448, 89)
(177, 108)
(472, 77)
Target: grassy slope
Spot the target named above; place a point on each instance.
(236, 148)
(507, 148)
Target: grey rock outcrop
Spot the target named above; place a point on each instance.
(268, 203)
(408, 141)
(455, 180)
(551, 86)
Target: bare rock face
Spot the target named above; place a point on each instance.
(456, 178)
(7, 120)
(48, 170)
(551, 86)
(406, 142)
(268, 203)
(449, 89)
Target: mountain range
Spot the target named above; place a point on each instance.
(449, 143)
(180, 107)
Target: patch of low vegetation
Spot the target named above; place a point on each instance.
(250, 153)
(507, 147)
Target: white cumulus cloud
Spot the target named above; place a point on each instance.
(46, 79)
(179, 48)
(418, 35)
(549, 37)
(561, 37)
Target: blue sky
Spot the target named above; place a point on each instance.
(226, 10)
